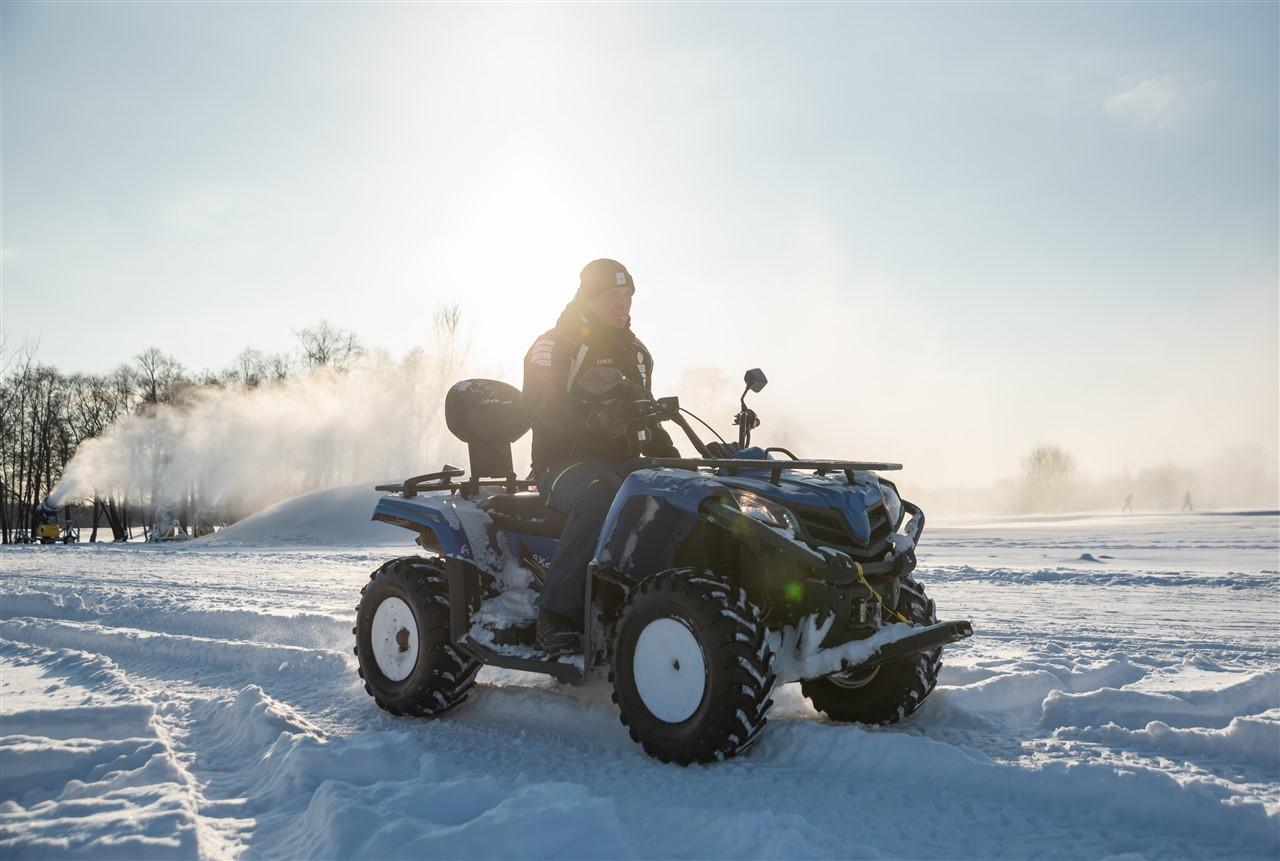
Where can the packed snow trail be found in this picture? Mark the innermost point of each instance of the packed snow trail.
(201, 701)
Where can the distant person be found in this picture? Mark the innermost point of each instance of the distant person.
(1186, 502)
(1128, 504)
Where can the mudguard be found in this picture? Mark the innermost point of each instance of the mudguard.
(652, 514)
(451, 523)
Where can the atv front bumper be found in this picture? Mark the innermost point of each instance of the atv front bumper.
(798, 655)
(845, 596)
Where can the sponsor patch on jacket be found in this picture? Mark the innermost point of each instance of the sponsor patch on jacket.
(540, 352)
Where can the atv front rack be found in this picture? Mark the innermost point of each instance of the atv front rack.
(775, 468)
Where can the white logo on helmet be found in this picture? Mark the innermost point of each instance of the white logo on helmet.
(621, 277)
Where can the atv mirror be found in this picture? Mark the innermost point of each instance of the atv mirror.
(599, 381)
(755, 379)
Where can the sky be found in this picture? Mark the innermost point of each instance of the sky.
(947, 232)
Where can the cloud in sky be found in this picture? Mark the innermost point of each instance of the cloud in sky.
(1159, 101)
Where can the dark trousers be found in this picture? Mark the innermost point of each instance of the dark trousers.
(582, 490)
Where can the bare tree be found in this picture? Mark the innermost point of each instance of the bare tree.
(124, 388)
(279, 367)
(15, 394)
(1046, 473)
(158, 375)
(325, 345)
(251, 367)
(448, 319)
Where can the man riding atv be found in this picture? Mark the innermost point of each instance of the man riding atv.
(701, 582)
(579, 451)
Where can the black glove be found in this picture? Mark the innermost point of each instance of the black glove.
(610, 417)
(661, 445)
(722, 450)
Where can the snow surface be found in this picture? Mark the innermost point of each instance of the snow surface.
(200, 701)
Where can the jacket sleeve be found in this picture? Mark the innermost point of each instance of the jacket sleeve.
(551, 411)
(660, 445)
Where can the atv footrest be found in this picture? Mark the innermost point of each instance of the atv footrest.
(567, 669)
(932, 638)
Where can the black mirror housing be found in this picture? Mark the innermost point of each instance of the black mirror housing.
(755, 379)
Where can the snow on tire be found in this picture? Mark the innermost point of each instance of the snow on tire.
(407, 661)
(691, 671)
(891, 691)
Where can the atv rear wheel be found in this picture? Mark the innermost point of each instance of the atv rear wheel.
(889, 692)
(407, 661)
(690, 667)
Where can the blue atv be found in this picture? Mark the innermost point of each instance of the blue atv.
(714, 578)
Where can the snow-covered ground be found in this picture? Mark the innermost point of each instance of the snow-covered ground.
(1120, 699)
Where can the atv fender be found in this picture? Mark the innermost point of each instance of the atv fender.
(652, 514)
(437, 522)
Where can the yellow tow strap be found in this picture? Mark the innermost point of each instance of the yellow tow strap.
(862, 578)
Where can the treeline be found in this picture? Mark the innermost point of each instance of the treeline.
(1051, 482)
(46, 415)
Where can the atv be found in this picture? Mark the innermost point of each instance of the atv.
(714, 578)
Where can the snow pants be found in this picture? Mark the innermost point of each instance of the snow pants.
(582, 490)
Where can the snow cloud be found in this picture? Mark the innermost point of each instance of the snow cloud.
(1157, 102)
(230, 452)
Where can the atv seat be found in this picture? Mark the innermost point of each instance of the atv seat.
(524, 513)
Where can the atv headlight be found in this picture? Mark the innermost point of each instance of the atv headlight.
(892, 503)
(765, 510)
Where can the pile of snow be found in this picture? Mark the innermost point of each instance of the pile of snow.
(338, 516)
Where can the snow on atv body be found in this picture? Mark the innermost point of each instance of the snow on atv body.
(713, 579)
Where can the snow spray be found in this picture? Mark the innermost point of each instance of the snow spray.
(236, 451)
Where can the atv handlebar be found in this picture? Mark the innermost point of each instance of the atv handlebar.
(647, 412)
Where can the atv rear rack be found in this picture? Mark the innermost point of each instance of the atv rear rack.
(443, 480)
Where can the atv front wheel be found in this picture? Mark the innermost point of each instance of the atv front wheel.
(690, 667)
(407, 661)
(889, 692)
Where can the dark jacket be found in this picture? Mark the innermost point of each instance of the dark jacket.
(559, 416)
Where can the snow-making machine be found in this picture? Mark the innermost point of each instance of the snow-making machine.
(714, 579)
(49, 529)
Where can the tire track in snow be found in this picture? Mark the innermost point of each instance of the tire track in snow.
(178, 655)
(101, 779)
(308, 630)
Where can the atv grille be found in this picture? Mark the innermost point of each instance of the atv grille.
(880, 526)
(827, 527)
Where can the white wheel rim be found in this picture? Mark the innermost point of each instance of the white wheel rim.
(670, 670)
(395, 639)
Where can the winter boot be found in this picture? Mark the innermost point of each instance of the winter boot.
(557, 634)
